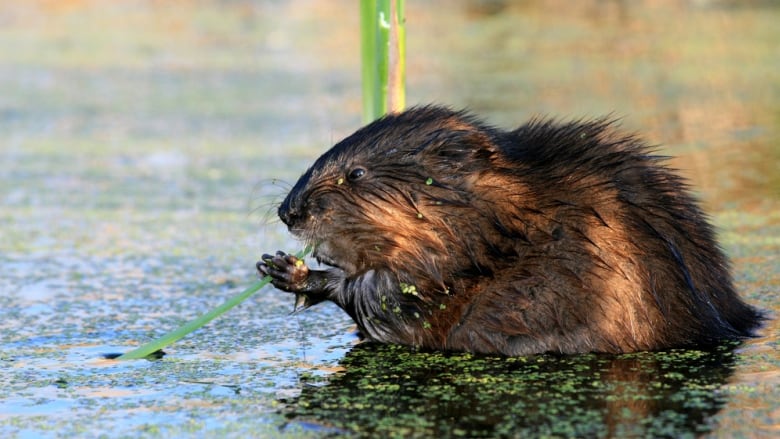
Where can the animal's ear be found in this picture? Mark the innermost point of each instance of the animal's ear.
(457, 147)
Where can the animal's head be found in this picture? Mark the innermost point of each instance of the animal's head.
(388, 193)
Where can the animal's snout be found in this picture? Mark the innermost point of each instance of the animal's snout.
(287, 214)
(290, 211)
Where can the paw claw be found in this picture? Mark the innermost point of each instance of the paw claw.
(287, 272)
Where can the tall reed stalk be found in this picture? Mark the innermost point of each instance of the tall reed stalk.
(383, 53)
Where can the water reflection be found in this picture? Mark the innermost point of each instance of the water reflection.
(388, 389)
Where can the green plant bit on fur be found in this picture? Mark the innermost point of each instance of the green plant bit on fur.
(408, 289)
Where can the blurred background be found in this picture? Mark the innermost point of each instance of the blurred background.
(181, 77)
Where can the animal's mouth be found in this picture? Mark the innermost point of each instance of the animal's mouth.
(296, 231)
(324, 258)
(324, 254)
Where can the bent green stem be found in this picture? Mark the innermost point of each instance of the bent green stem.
(171, 337)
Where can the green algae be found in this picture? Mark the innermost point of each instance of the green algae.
(392, 390)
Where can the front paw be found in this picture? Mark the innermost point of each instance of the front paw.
(287, 272)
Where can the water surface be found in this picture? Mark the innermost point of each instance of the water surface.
(139, 172)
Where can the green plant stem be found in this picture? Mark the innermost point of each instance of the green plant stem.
(383, 47)
(171, 337)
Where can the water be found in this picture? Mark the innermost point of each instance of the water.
(139, 170)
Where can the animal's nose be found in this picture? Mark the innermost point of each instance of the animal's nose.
(288, 213)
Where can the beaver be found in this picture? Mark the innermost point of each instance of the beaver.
(443, 232)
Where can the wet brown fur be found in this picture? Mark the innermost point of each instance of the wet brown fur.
(565, 237)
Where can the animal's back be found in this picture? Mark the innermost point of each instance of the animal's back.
(622, 252)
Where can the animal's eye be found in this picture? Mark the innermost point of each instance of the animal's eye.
(356, 174)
